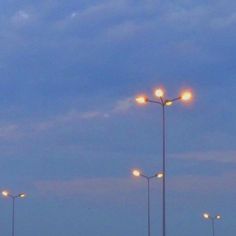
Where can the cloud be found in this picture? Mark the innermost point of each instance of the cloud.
(204, 184)
(114, 20)
(124, 30)
(123, 105)
(69, 117)
(193, 15)
(75, 116)
(87, 187)
(115, 188)
(200, 17)
(227, 156)
(93, 13)
(73, 14)
(93, 114)
(25, 128)
(224, 22)
(101, 10)
(9, 132)
(20, 17)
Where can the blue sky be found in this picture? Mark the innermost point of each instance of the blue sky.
(70, 132)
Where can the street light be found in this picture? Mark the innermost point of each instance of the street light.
(161, 100)
(212, 219)
(138, 173)
(13, 197)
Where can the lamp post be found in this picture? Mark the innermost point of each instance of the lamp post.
(212, 219)
(13, 197)
(138, 173)
(164, 102)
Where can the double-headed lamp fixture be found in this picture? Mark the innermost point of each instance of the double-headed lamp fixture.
(138, 173)
(209, 217)
(5, 193)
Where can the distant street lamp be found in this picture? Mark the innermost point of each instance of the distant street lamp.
(164, 102)
(13, 197)
(212, 219)
(138, 173)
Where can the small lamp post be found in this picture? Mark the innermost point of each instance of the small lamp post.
(138, 173)
(212, 219)
(13, 197)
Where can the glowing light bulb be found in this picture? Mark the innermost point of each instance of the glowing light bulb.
(160, 175)
(159, 93)
(168, 103)
(136, 173)
(5, 193)
(186, 96)
(22, 195)
(206, 215)
(141, 99)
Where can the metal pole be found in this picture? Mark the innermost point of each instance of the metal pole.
(164, 171)
(213, 226)
(13, 216)
(149, 225)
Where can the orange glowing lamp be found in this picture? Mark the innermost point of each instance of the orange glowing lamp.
(186, 96)
(159, 93)
(141, 99)
(136, 173)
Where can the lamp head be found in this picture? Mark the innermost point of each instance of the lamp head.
(5, 193)
(218, 217)
(159, 93)
(168, 102)
(159, 175)
(206, 215)
(136, 173)
(22, 195)
(186, 96)
(141, 99)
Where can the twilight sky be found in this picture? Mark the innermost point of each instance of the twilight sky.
(70, 132)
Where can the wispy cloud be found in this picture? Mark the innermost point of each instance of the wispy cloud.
(20, 17)
(203, 184)
(202, 16)
(224, 21)
(22, 129)
(104, 9)
(74, 116)
(108, 187)
(67, 118)
(194, 15)
(225, 156)
(123, 105)
(124, 30)
(9, 131)
(88, 187)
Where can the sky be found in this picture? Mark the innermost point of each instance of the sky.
(70, 131)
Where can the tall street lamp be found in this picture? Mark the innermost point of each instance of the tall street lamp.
(13, 197)
(212, 219)
(138, 173)
(164, 102)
